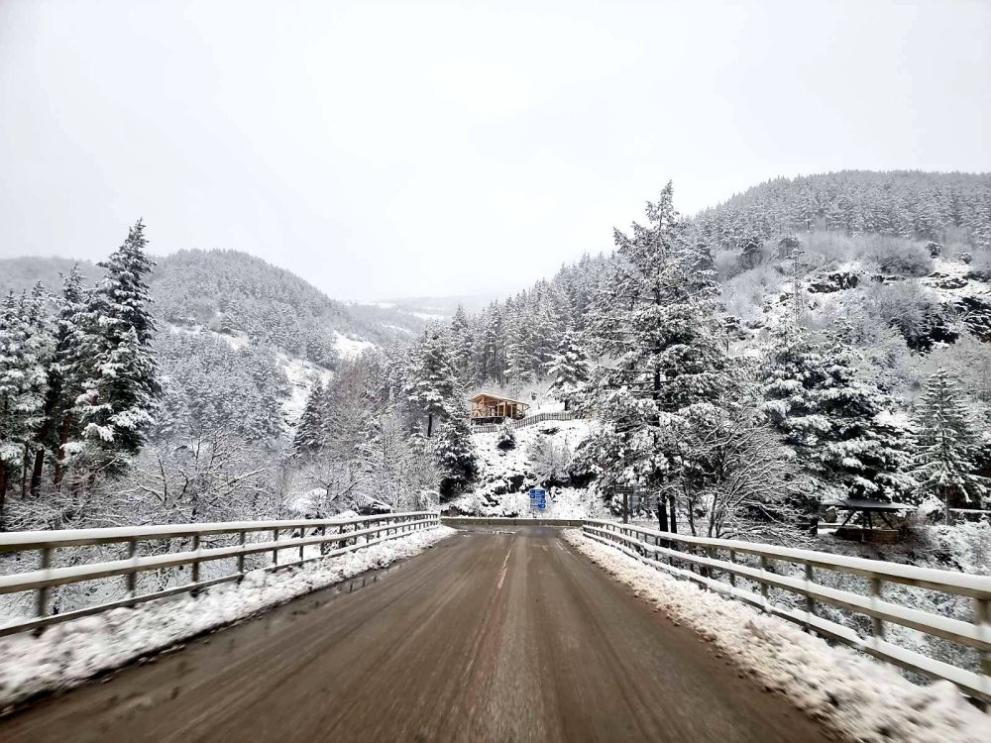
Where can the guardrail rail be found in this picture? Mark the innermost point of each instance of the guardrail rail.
(529, 420)
(332, 537)
(698, 559)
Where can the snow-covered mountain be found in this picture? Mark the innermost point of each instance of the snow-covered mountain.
(232, 311)
(243, 297)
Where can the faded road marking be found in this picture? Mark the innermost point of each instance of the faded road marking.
(502, 571)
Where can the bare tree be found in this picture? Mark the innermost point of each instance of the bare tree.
(736, 477)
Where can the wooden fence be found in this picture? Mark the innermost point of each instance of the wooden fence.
(698, 559)
(330, 537)
(528, 421)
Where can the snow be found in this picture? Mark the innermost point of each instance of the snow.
(955, 270)
(236, 341)
(858, 697)
(302, 375)
(67, 654)
(304, 502)
(350, 348)
(428, 316)
(494, 493)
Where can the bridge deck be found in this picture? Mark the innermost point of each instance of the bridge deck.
(493, 635)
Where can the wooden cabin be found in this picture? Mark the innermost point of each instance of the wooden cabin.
(486, 408)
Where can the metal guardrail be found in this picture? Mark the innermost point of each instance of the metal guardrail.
(651, 547)
(342, 535)
(509, 521)
(528, 421)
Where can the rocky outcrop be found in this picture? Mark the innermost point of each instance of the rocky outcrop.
(976, 315)
(834, 282)
(951, 282)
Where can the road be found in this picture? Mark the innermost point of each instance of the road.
(492, 635)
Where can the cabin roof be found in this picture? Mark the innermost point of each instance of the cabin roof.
(489, 396)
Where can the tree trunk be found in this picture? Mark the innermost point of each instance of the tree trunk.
(39, 469)
(674, 517)
(662, 513)
(567, 405)
(25, 466)
(3, 493)
(430, 424)
(63, 439)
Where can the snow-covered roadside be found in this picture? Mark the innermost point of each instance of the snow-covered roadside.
(67, 654)
(859, 698)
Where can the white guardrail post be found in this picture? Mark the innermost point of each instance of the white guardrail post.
(344, 535)
(698, 559)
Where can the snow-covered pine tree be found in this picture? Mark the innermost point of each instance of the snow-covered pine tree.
(751, 252)
(431, 384)
(946, 445)
(490, 350)
(64, 380)
(22, 387)
(454, 453)
(120, 388)
(461, 344)
(39, 345)
(659, 323)
(309, 437)
(518, 341)
(569, 369)
(838, 422)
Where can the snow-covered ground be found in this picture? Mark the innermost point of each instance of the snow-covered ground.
(505, 477)
(67, 654)
(302, 375)
(350, 348)
(860, 698)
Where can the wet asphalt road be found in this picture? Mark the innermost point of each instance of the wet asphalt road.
(492, 635)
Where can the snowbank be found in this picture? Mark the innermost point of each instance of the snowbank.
(858, 697)
(67, 654)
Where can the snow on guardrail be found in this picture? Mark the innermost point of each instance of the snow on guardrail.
(198, 545)
(697, 559)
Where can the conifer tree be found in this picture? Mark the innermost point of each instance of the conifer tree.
(489, 349)
(120, 388)
(946, 446)
(454, 452)
(309, 437)
(838, 422)
(518, 344)
(64, 380)
(431, 385)
(569, 369)
(461, 344)
(659, 323)
(22, 387)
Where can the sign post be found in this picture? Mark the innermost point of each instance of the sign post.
(538, 499)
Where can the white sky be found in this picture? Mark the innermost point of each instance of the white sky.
(418, 148)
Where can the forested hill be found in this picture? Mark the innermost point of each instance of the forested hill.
(238, 295)
(20, 274)
(911, 204)
(904, 253)
(232, 292)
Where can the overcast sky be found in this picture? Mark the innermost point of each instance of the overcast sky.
(405, 149)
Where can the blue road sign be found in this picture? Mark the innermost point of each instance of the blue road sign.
(538, 498)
